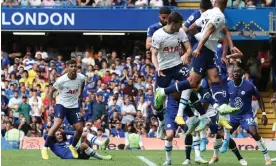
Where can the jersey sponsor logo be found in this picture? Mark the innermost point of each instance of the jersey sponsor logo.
(171, 49)
(169, 125)
(243, 92)
(74, 91)
(191, 18)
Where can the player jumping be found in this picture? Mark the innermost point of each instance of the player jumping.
(60, 146)
(69, 87)
(212, 22)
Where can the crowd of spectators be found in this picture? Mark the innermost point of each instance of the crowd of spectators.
(127, 3)
(89, 3)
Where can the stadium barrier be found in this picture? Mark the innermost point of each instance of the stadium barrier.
(157, 144)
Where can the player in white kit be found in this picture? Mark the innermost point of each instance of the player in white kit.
(69, 87)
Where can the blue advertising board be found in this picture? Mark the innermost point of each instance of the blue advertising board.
(100, 19)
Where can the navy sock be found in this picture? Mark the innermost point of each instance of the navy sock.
(233, 147)
(188, 144)
(183, 85)
(75, 141)
(49, 141)
(218, 93)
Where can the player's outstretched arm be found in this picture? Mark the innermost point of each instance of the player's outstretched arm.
(51, 97)
(228, 36)
(148, 43)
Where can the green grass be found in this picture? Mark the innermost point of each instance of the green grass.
(123, 158)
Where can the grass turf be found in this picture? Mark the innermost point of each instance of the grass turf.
(124, 158)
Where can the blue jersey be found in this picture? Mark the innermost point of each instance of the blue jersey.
(153, 28)
(62, 149)
(241, 96)
(193, 17)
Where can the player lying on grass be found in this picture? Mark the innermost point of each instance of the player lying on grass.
(60, 146)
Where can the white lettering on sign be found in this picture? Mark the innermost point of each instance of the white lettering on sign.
(38, 18)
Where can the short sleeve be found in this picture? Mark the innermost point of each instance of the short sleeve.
(58, 83)
(156, 41)
(217, 21)
(82, 77)
(199, 22)
(190, 21)
(184, 37)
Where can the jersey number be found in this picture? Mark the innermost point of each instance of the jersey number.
(204, 23)
(250, 121)
(78, 115)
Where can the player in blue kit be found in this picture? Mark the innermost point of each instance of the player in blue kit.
(60, 146)
(240, 93)
(164, 13)
(69, 87)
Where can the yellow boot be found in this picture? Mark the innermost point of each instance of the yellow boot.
(224, 123)
(179, 120)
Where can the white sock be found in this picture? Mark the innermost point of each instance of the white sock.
(263, 148)
(93, 139)
(90, 152)
(217, 145)
(185, 96)
(196, 143)
(216, 105)
(203, 133)
(227, 134)
(168, 149)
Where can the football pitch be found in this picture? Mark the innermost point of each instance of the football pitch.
(126, 158)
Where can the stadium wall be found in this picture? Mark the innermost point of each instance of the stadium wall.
(101, 19)
(157, 144)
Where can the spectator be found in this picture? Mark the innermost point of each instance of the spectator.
(139, 121)
(11, 3)
(98, 109)
(250, 4)
(47, 3)
(34, 97)
(4, 103)
(156, 3)
(34, 132)
(265, 67)
(24, 126)
(5, 61)
(100, 134)
(104, 3)
(153, 131)
(119, 3)
(239, 3)
(114, 111)
(118, 131)
(100, 59)
(254, 65)
(128, 112)
(88, 60)
(169, 3)
(14, 103)
(89, 128)
(141, 3)
(47, 128)
(103, 91)
(143, 132)
(130, 90)
(13, 137)
(25, 109)
(36, 108)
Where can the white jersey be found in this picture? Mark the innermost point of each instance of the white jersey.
(217, 19)
(168, 46)
(69, 90)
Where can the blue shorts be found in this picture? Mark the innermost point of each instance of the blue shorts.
(72, 114)
(171, 112)
(245, 120)
(205, 93)
(178, 73)
(205, 60)
(214, 127)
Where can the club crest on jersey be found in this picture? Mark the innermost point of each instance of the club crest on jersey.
(243, 92)
(171, 49)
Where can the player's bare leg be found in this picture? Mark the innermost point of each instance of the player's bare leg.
(50, 138)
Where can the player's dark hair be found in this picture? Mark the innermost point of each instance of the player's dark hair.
(70, 62)
(175, 17)
(222, 3)
(164, 10)
(206, 4)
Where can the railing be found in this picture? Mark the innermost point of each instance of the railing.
(272, 23)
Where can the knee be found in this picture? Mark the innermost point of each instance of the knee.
(83, 146)
(193, 83)
(254, 134)
(170, 135)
